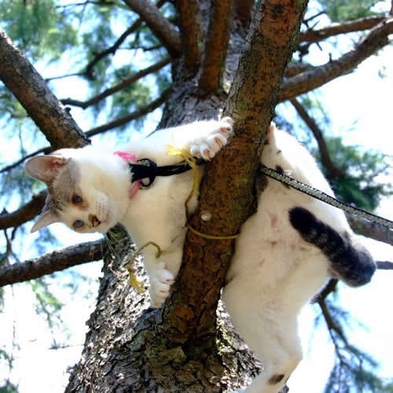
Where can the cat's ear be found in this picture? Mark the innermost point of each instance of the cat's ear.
(45, 168)
(46, 218)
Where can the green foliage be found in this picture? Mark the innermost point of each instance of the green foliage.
(342, 10)
(37, 27)
(49, 306)
(363, 184)
(7, 386)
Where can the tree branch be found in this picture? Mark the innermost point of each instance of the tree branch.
(23, 159)
(313, 126)
(191, 34)
(213, 66)
(296, 68)
(112, 49)
(160, 26)
(370, 229)
(52, 262)
(132, 116)
(114, 89)
(385, 265)
(376, 39)
(26, 213)
(30, 89)
(335, 29)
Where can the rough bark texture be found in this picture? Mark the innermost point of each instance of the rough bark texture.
(126, 348)
(40, 103)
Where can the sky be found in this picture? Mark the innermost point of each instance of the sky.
(359, 106)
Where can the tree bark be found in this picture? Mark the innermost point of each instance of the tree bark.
(51, 117)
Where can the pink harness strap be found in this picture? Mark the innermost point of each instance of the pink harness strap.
(131, 158)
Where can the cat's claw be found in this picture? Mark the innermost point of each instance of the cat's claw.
(161, 280)
(214, 140)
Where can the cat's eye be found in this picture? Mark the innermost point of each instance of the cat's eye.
(78, 224)
(76, 199)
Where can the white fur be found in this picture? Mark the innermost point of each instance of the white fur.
(273, 272)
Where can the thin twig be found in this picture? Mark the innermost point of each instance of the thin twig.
(164, 30)
(114, 89)
(25, 213)
(23, 159)
(327, 162)
(132, 116)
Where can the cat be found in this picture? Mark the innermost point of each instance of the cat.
(284, 255)
(90, 190)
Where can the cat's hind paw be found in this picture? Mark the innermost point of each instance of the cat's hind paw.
(161, 280)
(213, 139)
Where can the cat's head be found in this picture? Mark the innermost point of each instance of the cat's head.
(84, 191)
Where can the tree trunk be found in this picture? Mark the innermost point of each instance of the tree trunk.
(183, 348)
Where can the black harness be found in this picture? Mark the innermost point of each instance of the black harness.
(148, 169)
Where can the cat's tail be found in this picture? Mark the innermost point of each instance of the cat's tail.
(349, 261)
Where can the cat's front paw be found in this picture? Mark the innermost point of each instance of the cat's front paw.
(213, 140)
(161, 280)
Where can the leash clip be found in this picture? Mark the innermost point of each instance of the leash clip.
(145, 171)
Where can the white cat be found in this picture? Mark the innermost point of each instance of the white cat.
(285, 252)
(90, 190)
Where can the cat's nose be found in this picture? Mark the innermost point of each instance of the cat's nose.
(94, 221)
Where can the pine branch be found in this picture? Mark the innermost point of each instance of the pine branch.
(159, 25)
(313, 126)
(296, 68)
(370, 229)
(132, 116)
(114, 89)
(30, 89)
(52, 262)
(112, 49)
(313, 36)
(221, 16)
(191, 33)
(23, 159)
(25, 213)
(384, 265)
(376, 39)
